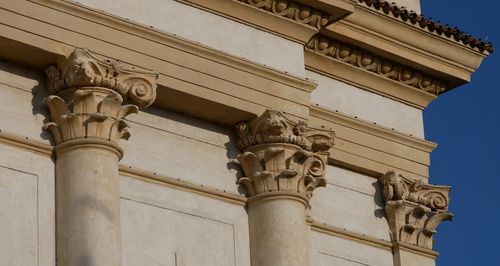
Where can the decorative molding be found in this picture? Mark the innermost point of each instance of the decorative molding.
(347, 234)
(293, 10)
(365, 60)
(412, 18)
(282, 155)
(87, 93)
(91, 113)
(372, 149)
(189, 71)
(414, 209)
(183, 185)
(84, 69)
(25, 143)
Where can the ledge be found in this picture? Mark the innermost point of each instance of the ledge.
(194, 79)
(408, 45)
(296, 20)
(372, 149)
(358, 76)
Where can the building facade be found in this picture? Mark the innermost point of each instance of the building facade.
(222, 132)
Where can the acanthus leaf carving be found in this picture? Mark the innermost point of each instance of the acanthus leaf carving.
(414, 209)
(88, 116)
(282, 155)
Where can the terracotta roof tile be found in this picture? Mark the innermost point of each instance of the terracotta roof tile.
(427, 23)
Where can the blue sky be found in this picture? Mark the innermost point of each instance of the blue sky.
(465, 122)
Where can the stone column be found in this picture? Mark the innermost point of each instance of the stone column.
(283, 163)
(414, 209)
(87, 114)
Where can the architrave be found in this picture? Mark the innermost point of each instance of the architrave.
(372, 149)
(283, 26)
(189, 73)
(408, 44)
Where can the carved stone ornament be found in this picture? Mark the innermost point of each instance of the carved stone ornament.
(87, 95)
(414, 209)
(292, 10)
(84, 69)
(90, 114)
(368, 61)
(282, 155)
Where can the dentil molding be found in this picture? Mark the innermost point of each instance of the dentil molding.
(414, 209)
(280, 155)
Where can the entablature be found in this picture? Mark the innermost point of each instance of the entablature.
(193, 79)
(297, 20)
(373, 149)
(407, 43)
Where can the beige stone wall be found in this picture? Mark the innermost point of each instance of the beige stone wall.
(21, 102)
(183, 148)
(27, 215)
(351, 201)
(368, 106)
(209, 29)
(331, 250)
(166, 226)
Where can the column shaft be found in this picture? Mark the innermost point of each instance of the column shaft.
(88, 206)
(279, 234)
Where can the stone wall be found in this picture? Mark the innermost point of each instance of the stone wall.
(27, 215)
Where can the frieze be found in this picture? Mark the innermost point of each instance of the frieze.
(362, 59)
(292, 10)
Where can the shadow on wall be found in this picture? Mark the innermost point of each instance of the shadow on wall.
(379, 200)
(39, 92)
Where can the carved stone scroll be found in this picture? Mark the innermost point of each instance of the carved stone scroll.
(414, 209)
(84, 69)
(282, 155)
(87, 95)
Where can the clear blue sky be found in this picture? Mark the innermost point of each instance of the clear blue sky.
(465, 122)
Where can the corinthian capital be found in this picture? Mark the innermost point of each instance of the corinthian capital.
(414, 209)
(282, 155)
(86, 99)
(84, 69)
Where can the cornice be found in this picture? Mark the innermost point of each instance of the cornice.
(293, 10)
(296, 20)
(417, 20)
(407, 44)
(218, 87)
(383, 67)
